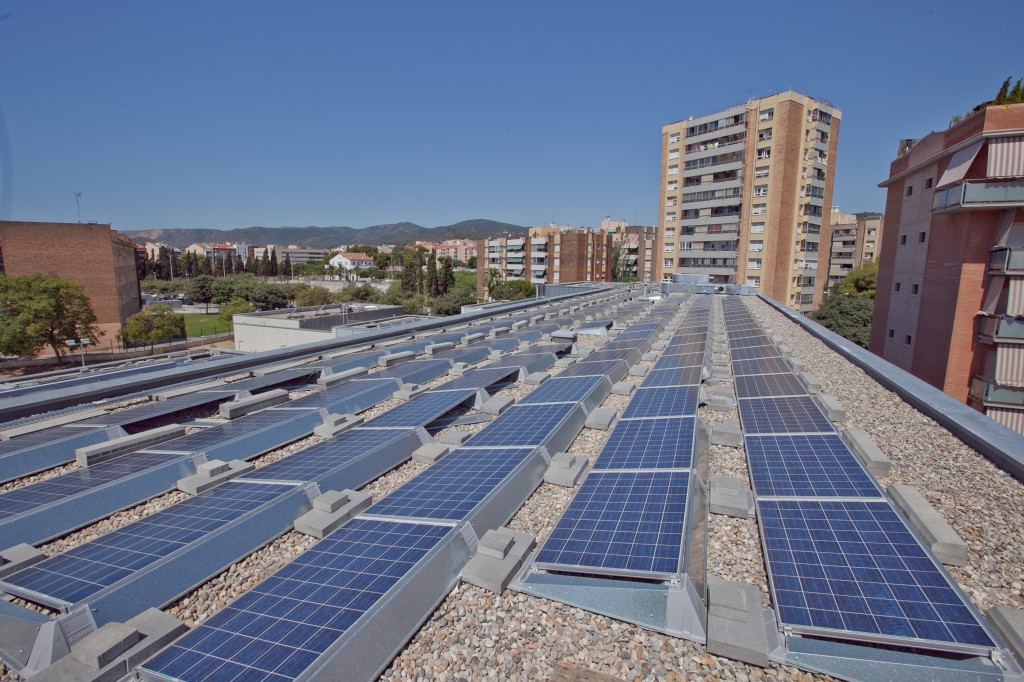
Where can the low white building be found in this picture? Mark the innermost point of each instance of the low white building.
(348, 262)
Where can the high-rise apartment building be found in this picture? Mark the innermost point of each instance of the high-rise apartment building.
(856, 240)
(743, 192)
(636, 245)
(950, 301)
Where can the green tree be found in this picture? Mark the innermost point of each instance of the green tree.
(452, 302)
(471, 263)
(200, 290)
(43, 310)
(447, 277)
(492, 280)
(514, 291)
(223, 289)
(1016, 95)
(286, 269)
(264, 270)
(846, 315)
(860, 282)
(273, 263)
(433, 286)
(1003, 96)
(236, 306)
(155, 324)
(313, 296)
(268, 297)
(618, 262)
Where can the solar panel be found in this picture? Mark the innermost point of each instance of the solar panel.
(680, 376)
(29, 497)
(280, 627)
(806, 466)
(613, 354)
(421, 410)
(315, 461)
(747, 341)
(687, 360)
(479, 378)
(581, 369)
(649, 444)
(854, 567)
(560, 390)
(684, 348)
(454, 486)
(37, 438)
(520, 359)
(522, 425)
(760, 366)
(761, 385)
(79, 573)
(754, 353)
(669, 401)
(622, 523)
(782, 415)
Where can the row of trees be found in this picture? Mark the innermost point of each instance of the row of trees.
(37, 311)
(849, 305)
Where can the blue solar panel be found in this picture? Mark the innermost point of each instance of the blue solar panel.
(453, 487)
(685, 348)
(856, 567)
(748, 341)
(622, 522)
(29, 497)
(279, 628)
(581, 369)
(806, 466)
(315, 461)
(560, 390)
(680, 376)
(421, 410)
(674, 361)
(669, 401)
(649, 444)
(762, 385)
(31, 440)
(782, 415)
(754, 353)
(522, 425)
(760, 366)
(613, 354)
(480, 378)
(81, 572)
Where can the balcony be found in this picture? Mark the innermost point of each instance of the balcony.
(989, 392)
(537, 253)
(1006, 261)
(979, 194)
(1002, 329)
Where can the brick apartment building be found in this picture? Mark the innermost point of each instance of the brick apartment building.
(102, 260)
(856, 240)
(950, 301)
(742, 196)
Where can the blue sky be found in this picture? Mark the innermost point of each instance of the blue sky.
(231, 114)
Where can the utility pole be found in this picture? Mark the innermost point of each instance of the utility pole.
(78, 205)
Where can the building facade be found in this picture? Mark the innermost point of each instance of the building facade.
(96, 256)
(743, 192)
(457, 249)
(634, 246)
(856, 240)
(950, 301)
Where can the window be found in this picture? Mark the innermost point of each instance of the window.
(670, 217)
(896, 287)
(764, 134)
(921, 237)
(766, 115)
(760, 209)
(754, 264)
(673, 170)
(903, 240)
(756, 245)
(915, 288)
(929, 183)
(907, 338)
(765, 153)
(669, 262)
(673, 186)
(910, 190)
(674, 138)
(892, 333)
(761, 172)
(673, 154)
(754, 282)
(670, 248)
(760, 190)
(757, 228)
(869, 245)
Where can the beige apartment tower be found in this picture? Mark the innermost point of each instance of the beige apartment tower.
(743, 196)
(856, 241)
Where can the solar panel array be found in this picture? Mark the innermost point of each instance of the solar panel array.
(841, 561)
(629, 516)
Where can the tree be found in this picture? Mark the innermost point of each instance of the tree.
(223, 289)
(267, 297)
(514, 291)
(264, 266)
(848, 307)
(313, 296)
(1003, 95)
(618, 262)
(236, 306)
(447, 278)
(287, 267)
(433, 287)
(860, 282)
(155, 324)
(200, 290)
(1017, 94)
(43, 310)
(273, 263)
(452, 302)
(471, 263)
(492, 280)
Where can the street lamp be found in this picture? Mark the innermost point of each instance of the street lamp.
(81, 344)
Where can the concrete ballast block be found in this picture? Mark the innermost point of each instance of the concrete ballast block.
(334, 424)
(330, 378)
(940, 537)
(831, 407)
(431, 453)
(200, 481)
(730, 497)
(601, 418)
(244, 406)
(623, 388)
(566, 470)
(17, 557)
(873, 459)
(100, 452)
(498, 404)
(1009, 623)
(392, 359)
(491, 572)
(727, 433)
(330, 511)
(809, 381)
(409, 391)
(738, 626)
(536, 378)
(638, 371)
(455, 438)
(721, 403)
(438, 347)
(100, 648)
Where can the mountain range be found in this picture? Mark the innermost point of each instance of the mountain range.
(328, 237)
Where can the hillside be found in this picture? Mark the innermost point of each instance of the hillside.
(326, 237)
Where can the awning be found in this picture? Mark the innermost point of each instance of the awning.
(995, 290)
(1013, 419)
(1010, 365)
(958, 165)
(1005, 221)
(1006, 157)
(1015, 300)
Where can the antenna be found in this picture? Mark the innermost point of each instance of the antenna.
(78, 205)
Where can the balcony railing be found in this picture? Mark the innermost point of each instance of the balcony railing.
(980, 194)
(1007, 260)
(1004, 328)
(989, 392)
